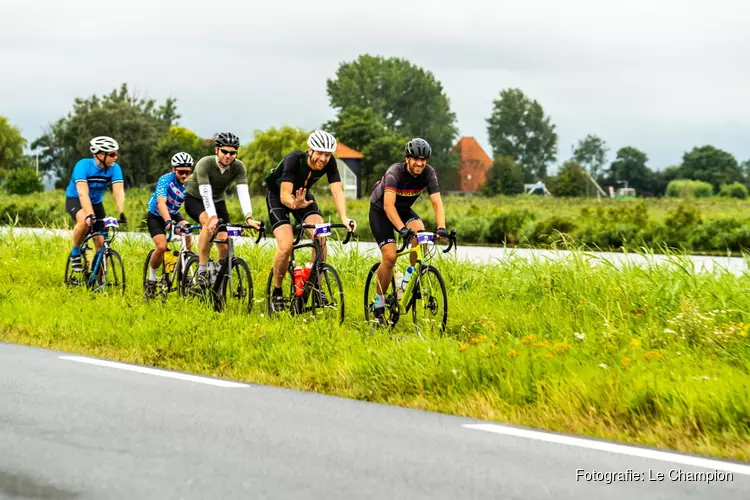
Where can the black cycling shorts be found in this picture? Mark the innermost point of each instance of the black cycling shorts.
(156, 224)
(381, 226)
(194, 208)
(73, 205)
(278, 213)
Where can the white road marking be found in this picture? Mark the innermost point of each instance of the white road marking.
(632, 451)
(154, 371)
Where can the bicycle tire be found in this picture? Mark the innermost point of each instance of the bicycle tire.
(391, 310)
(414, 300)
(269, 290)
(327, 269)
(69, 280)
(115, 263)
(239, 264)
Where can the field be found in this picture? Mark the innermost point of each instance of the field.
(705, 225)
(655, 356)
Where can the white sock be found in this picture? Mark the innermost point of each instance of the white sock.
(379, 301)
(151, 273)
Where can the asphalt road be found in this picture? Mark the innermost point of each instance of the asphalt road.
(70, 429)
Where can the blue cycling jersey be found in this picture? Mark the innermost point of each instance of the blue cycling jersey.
(98, 179)
(169, 187)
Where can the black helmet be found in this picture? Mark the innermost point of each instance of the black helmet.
(227, 139)
(418, 148)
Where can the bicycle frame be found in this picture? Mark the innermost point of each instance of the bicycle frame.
(315, 244)
(186, 232)
(99, 257)
(407, 299)
(232, 230)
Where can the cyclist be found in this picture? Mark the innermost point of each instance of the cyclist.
(287, 191)
(85, 193)
(204, 200)
(390, 208)
(164, 212)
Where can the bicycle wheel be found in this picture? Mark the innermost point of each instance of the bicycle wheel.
(328, 296)
(190, 286)
(426, 302)
(288, 302)
(113, 273)
(391, 314)
(73, 278)
(238, 289)
(177, 280)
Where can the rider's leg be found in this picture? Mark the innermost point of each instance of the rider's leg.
(284, 244)
(317, 219)
(415, 225)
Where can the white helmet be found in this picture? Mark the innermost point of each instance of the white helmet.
(182, 159)
(103, 144)
(320, 140)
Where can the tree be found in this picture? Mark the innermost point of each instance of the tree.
(711, 165)
(137, 124)
(745, 169)
(267, 149)
(504, 177)
(23, 180)
(518, 128)
(405, 99)
(571, 180)
(630, 166)
(12, 144)
(177, 139)
(591, 153)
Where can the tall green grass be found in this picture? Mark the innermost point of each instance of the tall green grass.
(656, 356)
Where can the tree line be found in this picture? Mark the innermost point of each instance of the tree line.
(380, 103)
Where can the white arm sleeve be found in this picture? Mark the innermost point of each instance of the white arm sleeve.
(243, 193)
(208, 199)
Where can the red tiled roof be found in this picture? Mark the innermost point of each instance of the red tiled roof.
(474, 163)
(343, 151)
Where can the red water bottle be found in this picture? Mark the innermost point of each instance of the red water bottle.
(306, 271)
(299, 281)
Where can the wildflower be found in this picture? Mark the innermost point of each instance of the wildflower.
(527, 339)
(652, 355)
(624, 362)
(580, 336)
(478, 340)
(635, 342)
(549, 355)
(463, 347)
(669, 330)
(603, 365)
(561, 346)
(513, 353)
(540, 344)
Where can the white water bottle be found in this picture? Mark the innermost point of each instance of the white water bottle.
(405, 280)
(399, 290)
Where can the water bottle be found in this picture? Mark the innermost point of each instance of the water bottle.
(170, 259)
(407, 277)
(306, 271)
(399, 290)
(299, 282)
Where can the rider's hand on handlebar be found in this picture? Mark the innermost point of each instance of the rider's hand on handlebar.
(252, 222)
(212, 223)
(90, 219)
(168, 225)
(404, 232)
(351, 224)
(122, 219)
(442, 232)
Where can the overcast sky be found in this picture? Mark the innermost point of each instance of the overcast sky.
(660, 75)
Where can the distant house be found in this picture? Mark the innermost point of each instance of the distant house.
(350, 168)
(474, 164)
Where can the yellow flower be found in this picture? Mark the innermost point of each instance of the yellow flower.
(478, 340)
(463, 347)
(527, 339)
(549, 355)
(652, 355)
(624, 362)
(540, 344)
(635, 342)
(513, 353)
(561, 346)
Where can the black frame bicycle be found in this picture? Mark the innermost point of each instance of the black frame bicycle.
(223, 278)
(96, 275)
(312, 289)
